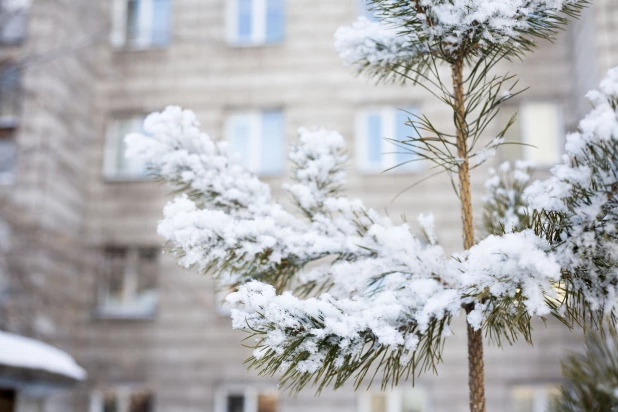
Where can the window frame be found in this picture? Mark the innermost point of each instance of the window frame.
(255, 120)
(250, 393)
(145, 40)
(259, 25)
(130, 286)
(15, 95)
(114, 141)
(529, 152)
(388, 155)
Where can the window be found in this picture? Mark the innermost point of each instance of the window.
(122, 400)
(7, 157)
(10, 96)
(247, 400)
(375, 152)
(258, 139)
(256, 22)
(399, 400)
(538, 124)
(10, 102)
(116, 165)
(13, 19)
(533, 398)
(141, 24)
(128, 278)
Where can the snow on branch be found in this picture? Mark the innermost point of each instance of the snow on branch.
(374, 294)
(409, 32)
(506, 210)
(579, 205)
(376, 46)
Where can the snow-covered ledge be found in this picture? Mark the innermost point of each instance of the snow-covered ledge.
(21, 352)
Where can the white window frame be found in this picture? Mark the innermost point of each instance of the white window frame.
(258, 24)
(388, 116)
(394, 400)
(250, 394)
(113, 143)
(530, 153)
(540, 395)
(255, 121)
(130, 295)
(145, 21)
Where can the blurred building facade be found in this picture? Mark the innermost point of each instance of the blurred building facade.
(83, 269)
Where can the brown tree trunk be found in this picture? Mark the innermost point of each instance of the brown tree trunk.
(476, 367)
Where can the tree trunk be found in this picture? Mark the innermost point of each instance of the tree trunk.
(476, 367)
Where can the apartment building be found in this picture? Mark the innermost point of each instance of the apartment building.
(84, 269)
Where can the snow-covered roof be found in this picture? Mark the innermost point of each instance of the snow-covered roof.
(22, 352)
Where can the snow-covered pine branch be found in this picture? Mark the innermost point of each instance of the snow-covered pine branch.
(408, 32)
(505, 208)
(386, 292)
(374, 263)
(579, 208)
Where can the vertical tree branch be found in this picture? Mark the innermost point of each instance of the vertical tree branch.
(476, 366)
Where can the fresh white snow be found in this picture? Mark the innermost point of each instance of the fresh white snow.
(406, 29)
(22, 352)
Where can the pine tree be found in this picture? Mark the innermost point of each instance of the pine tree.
(376, 301)
(591, 377)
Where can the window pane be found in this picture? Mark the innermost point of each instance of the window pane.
(413, 400)
(235, 403)
(374, 140)
(240, 139)
(267, 402)
(275, 20)
(117, 164)
(541, 128)
(10, 82)
(141, 402)
(110, 404)
(161, 22)
(510, 152)
(129, 281)
(7, 159)
(244, 30)
(133, 34)
(148, 270)
(272, 143)
(403, 153)
(13, 28)
(378, 403)
(113, 274)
